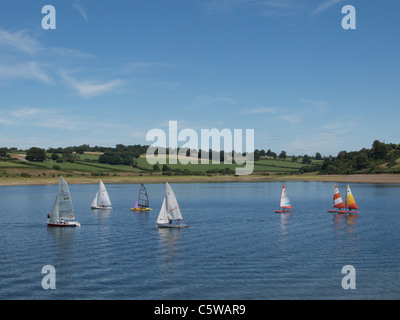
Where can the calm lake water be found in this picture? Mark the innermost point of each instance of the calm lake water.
(236, 247)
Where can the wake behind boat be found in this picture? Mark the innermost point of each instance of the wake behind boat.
(62, 214)
(284, 204)
(170, 211)
(101, 199)
(142, 201)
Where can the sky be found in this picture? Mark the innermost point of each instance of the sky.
(111, 71)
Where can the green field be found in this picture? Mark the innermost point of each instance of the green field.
(87, 164)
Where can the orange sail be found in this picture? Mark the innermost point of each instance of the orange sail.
(350, 202)
(337, 199)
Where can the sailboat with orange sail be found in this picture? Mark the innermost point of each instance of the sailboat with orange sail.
(338, 203)
(340, 206)
(350, 202)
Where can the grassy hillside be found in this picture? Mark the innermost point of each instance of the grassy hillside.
(87, 166)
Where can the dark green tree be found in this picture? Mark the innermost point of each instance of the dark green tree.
(36, 154)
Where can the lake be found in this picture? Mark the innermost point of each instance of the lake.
(236, 247)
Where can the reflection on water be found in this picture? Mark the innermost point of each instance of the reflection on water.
(169, 243)
(284, 219)
(228, 253)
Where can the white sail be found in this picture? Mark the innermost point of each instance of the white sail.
(103, 200)
(94, 202)
(55, 215)
(285, 202)
(63, 205)
(163, 215)
(172, 204)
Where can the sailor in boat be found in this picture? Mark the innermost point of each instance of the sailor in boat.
(62, 221)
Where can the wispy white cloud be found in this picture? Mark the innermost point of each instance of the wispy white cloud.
(79, 7)
(89, 89)
(52, 118)
(319, 104)
(29, 70)
(268, 8)
(291, 118)
(325, 6)
(19, 40)
(258, 110)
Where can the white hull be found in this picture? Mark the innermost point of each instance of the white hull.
(64, 225)
(95, 207)
(171, 225)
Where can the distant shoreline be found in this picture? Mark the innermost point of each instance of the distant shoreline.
(152, 179)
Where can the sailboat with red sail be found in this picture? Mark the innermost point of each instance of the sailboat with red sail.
(284, 204)
(338, 203)
(340, 206)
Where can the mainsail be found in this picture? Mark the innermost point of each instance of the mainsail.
(350, 202)
(285, 202)
(172, 204)
(62, 208)
(143, 199)
(337, 199)
(101, 199)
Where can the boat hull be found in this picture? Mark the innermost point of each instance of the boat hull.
(64, 225)
(283, 211)
(171, 225)
(138, 209)
(343, 211)
(103, 208)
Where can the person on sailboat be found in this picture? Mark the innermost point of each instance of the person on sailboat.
(48, 215)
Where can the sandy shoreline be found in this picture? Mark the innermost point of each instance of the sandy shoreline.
(358, 178)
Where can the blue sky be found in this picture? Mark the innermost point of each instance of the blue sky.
(113, 70)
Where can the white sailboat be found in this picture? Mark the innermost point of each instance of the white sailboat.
(170, 211)
(284, 204)
(101, 199)
(63, 211)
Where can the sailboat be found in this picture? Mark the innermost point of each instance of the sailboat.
(170, 211)
(284, 204)
(142, 201)
(63, 211)
(350, 202)
(101, 199)
(338, 203)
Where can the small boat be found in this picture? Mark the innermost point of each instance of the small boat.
(101, 199)
(338, 203)
(63, 211)
(142, 201)
(284, 204)
(170, 211)
(350, 202)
